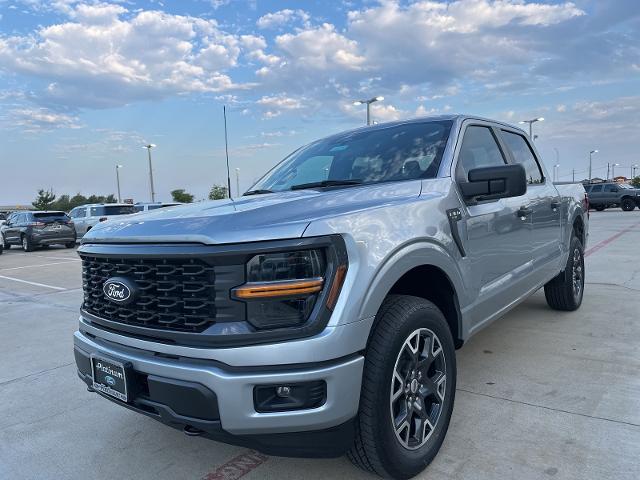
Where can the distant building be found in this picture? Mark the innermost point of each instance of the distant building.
(621, 179)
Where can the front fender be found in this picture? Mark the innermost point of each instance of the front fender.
(408, 256)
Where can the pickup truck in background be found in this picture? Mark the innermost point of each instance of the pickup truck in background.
(605, 195)
(319, 313)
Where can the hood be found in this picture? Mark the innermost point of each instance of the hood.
(273, 216)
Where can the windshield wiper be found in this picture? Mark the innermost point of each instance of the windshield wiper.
(327, 183)
(258, 191)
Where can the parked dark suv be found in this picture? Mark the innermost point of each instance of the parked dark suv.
(606, 195)
(34, 229)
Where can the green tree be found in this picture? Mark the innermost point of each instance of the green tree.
(62, 203)
(44, 200)
(218, 192)
(179, 195)
(636, 182)
(77, 200)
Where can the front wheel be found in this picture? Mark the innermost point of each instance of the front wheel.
(70, 244)
(6, 245)
(627, 205)
(408, 389)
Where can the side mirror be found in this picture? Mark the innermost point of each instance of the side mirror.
(491, 183)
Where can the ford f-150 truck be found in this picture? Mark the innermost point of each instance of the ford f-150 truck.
(319, 313)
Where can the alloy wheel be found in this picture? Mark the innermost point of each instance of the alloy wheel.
(418, 388)
(577, 273)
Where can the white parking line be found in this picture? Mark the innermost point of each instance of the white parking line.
(32, 283)
(71, 259)
(33, 266)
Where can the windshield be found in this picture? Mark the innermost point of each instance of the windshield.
(401, 152)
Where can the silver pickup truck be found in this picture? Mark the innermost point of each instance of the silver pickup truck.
(319, 313)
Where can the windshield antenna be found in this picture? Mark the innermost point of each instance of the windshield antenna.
(226, 150)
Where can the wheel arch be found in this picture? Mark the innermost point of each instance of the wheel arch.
(424, 271)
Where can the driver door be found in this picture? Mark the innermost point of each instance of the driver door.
(497, 234)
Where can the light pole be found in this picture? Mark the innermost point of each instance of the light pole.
(590, 162)
(555, 172)
(118, 167)
(238, 181)
(153, 192)
(531, 122)
(613, 170)
(633, 171)
(368, 104)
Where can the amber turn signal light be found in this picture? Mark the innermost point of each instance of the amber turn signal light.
(287, 288)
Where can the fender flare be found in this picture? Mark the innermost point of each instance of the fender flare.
(421, 252)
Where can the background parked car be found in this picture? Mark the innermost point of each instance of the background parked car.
(34, 229)
(87, 216)
(606, 195)
(145, 207)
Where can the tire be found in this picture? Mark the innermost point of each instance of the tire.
(627, 204)
(27, 245)
(379, 447)
(565, 291)
(599, 208)
(70, 245)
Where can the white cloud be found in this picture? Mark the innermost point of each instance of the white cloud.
(40, 119)
(282, 18)
(321, 48)
(101, 58)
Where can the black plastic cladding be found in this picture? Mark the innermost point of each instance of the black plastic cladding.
(232, 329)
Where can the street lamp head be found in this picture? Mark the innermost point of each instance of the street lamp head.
(540, 119)
(557, 165)
(616, 164)
(150, 145)
(379, 99)
(522, 122)
(119, 166)
(357, 102)
(593, 151)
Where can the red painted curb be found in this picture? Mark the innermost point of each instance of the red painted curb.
(607, 241)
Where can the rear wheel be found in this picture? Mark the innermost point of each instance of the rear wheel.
(408, 389)
(599, 208)
(627, 204)
(6, 245)
(27, 244)
(70, 244)
(565, 291)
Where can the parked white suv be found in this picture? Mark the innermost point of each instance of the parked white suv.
(87, 216)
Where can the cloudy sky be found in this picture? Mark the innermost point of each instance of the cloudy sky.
(83, 84)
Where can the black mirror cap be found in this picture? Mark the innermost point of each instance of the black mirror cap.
(492, 183)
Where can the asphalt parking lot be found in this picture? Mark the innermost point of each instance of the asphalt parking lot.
(541, 394)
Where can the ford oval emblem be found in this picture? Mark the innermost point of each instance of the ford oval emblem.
(119, 290)
(110, 380)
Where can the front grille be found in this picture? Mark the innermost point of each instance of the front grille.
(174, 294)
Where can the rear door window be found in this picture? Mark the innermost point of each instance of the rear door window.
(596, 189)
(523, 154)
(118, 209)
(610, 188)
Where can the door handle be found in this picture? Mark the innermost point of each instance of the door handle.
(524, 212)
(555, 205)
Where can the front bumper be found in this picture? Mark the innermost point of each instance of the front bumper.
(231, 391)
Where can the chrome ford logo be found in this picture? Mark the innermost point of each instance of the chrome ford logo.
(110, 380)
(119, 290)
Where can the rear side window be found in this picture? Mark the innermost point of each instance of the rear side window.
(523, 154)
(78, 212)
(479, 149)
(139, 208)
(610, 188)
(118, 210)
(596, 189)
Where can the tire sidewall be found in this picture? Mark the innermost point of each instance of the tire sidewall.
(407, 463)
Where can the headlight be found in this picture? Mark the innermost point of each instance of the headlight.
(282, 288)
